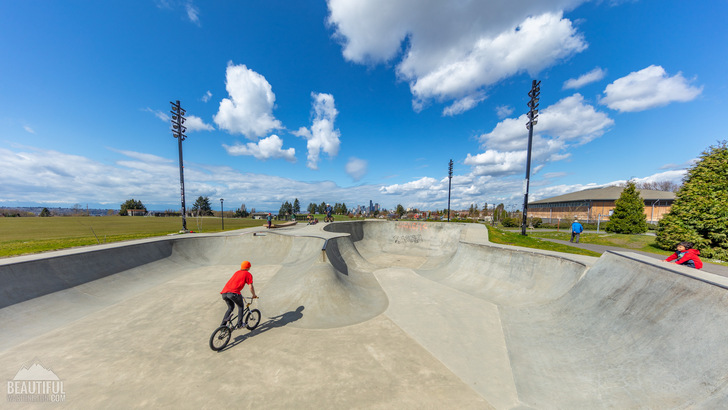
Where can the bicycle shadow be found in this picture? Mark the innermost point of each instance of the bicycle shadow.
(272, 323)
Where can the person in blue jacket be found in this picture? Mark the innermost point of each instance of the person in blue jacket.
(576, 230)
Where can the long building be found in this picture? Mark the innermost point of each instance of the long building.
(591, 205)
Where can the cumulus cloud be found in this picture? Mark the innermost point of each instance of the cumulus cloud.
(356, 168)
(271, 147)
(648, 88)
(463, 104)
(194, 123)
(592, 76)
(322, 136)
(419, 185)
(249, 110)
(569, 122)
(455, 49)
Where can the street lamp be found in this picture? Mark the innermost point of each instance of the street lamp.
(532, 120)
(178, 131)
(449, 185)
(222, 215)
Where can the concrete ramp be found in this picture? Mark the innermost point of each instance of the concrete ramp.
(630, 334)
(367, 314)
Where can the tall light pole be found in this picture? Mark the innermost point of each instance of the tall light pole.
(449, 185)
(222, 215)
(178, 131)
(532, 120)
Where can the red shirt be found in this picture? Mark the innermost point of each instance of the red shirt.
(237, 282)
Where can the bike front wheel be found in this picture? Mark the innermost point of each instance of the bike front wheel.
(252, 319)
(220, 338)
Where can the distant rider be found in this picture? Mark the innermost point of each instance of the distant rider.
(329, 210)
(231, 292)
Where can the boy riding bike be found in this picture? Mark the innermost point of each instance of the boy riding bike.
(231, 292)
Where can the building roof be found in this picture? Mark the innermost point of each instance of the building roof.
(610, 193)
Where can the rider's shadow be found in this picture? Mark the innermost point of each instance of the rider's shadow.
(271, 323)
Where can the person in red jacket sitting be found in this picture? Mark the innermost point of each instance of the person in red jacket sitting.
(231, 292)
(686, 255)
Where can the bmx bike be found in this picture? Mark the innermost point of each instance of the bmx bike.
(328, 218)
(221, 336)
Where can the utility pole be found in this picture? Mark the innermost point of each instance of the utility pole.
(535, 93)
(178, 131)
(449, 185)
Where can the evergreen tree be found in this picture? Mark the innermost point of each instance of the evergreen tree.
(45, 212)
(311, 208)
(131, 204)
(629, 212)
(242, 212)
(296, 207)
(699, 213)
(202, 206)
(286, 209)
(400, 210)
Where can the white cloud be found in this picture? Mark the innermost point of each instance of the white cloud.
(159, 114)
(249, 110)
(675, 176)
(194, 123)
(356, 168)
(648, 88)
(537, 43)
(193, 13)
(28, 129)
(463, 104)
(419, 185)
(207, 96)
(270, 147)
(43, 176)
(592, 76)
(455, 49)
(503, 111)
(567, 123)
(322, 136)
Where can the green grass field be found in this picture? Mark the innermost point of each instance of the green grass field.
(20, 236)
(516, 239)
(644, 243)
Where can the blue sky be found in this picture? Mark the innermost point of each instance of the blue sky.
(350, 101)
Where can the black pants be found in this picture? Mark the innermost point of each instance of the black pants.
(575, 235)
(233, 299)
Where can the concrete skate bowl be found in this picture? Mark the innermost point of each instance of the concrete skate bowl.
(623, 333)
(296, 267)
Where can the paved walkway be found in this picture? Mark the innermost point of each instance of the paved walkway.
(707, 266)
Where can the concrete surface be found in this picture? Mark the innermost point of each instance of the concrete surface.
(366, 315)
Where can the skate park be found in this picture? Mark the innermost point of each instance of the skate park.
(367, 314)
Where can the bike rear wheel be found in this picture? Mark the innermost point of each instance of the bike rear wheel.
(220, 338)
(252, 319)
